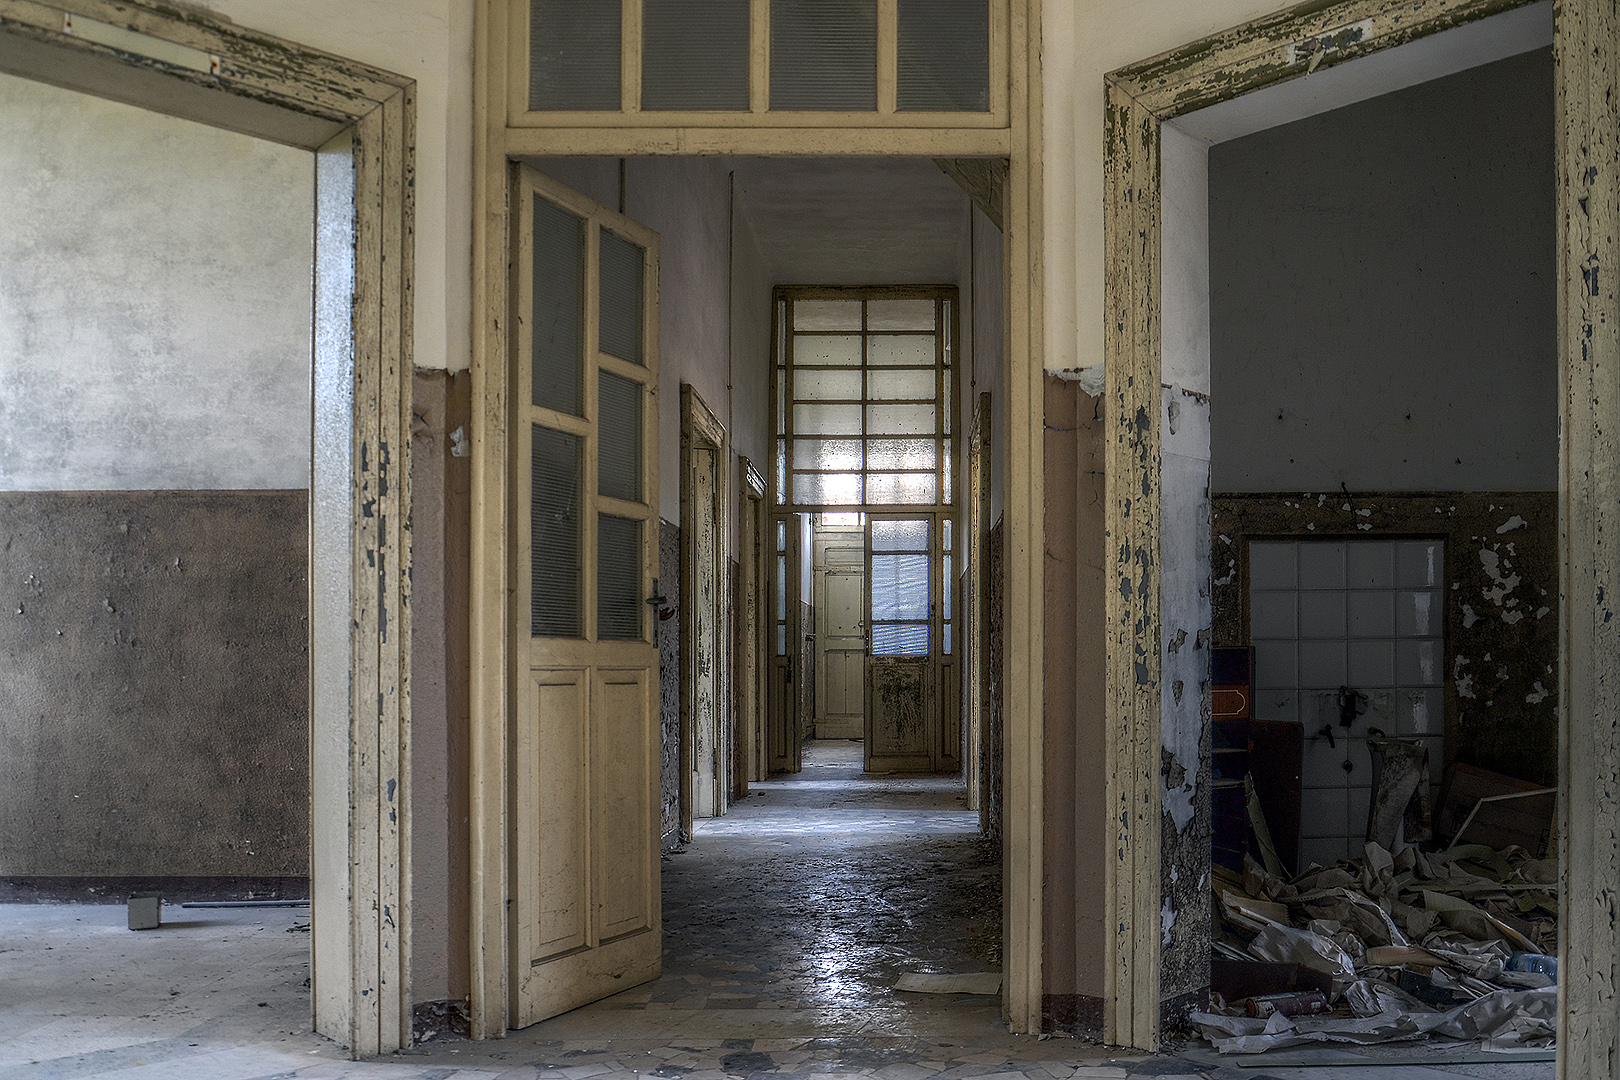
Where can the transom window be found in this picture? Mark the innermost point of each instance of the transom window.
(761, 55)
(864, 397)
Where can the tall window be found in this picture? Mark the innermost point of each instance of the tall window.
(864, 397)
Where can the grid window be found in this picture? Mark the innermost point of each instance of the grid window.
(863, 399)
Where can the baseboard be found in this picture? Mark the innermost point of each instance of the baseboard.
(115, 890)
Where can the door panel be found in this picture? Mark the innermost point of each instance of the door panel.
(840, 607)
(559, 724)
(903, 716)
(902, 705)
(585, 901)
(620, 795)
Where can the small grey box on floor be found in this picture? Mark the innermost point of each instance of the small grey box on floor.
(145, 912)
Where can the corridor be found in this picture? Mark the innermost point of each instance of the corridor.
(786, 926)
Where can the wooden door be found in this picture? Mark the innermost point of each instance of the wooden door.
(704, 594)
(840, 613)
(585, 877)
(782, 718)
(752, 753)
(903, 729)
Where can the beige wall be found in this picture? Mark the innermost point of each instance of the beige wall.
(1083, 40)
(429, 41)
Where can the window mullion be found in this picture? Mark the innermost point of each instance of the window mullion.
(630, 57)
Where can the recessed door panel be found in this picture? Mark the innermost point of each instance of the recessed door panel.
(560, 727)
(622, 757)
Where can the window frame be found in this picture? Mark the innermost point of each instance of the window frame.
(759, 113)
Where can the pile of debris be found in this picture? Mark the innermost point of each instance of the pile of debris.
(1457, 944)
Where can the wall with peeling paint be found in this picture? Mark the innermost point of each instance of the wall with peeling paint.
(1382, 311)
(1501, 605)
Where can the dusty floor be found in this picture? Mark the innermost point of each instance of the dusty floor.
(786, 926)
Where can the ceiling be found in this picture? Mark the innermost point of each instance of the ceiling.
(854, 221)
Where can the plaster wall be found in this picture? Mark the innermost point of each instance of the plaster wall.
(440, 541)
(153, 708)
(1081, 43)
(985, 296)
(430, 41)
(155, 336)
(155, 284)
(1382, 313)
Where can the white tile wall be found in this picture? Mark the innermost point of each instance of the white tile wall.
(1362, 613)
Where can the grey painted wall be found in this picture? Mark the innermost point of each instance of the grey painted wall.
(1382, 297)
(155, 280)
(154, 700)
(155, 324)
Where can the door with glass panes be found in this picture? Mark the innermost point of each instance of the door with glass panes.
(910, 686)
(585, 882)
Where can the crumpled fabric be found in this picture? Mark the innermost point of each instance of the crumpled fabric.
(1507, 1018)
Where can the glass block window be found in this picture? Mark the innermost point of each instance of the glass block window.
(863, 398)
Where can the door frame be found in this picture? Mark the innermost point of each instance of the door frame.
(751, 622)
(1139, 100)
(498, 136)
(702, 432)
(360, 122)
(976, 640)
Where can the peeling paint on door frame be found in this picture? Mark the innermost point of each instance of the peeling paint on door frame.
(361, 122)
(1139, 100)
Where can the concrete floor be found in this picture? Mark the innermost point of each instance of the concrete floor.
(786, 925)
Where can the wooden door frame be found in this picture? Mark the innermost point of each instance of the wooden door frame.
(751, 623)
(1140, 99)
(360, 123)
(498, 137)
(701, 430)
(976, 641)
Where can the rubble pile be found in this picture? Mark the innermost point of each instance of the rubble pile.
(1457, 944)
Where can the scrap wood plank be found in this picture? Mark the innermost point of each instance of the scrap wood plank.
(1526, 822)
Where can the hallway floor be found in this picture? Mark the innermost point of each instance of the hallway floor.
(786, 926)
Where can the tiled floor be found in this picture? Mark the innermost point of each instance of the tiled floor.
(786, 925)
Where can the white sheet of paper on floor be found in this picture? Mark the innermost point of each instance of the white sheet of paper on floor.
(1507, 1018)
(981, 982)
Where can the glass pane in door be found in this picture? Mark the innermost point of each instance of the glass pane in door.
(554, 522)
(557, 316)
(901, 588)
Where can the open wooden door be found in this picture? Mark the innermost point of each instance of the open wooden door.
(782, 717)
(901, 704)
(584, 806)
